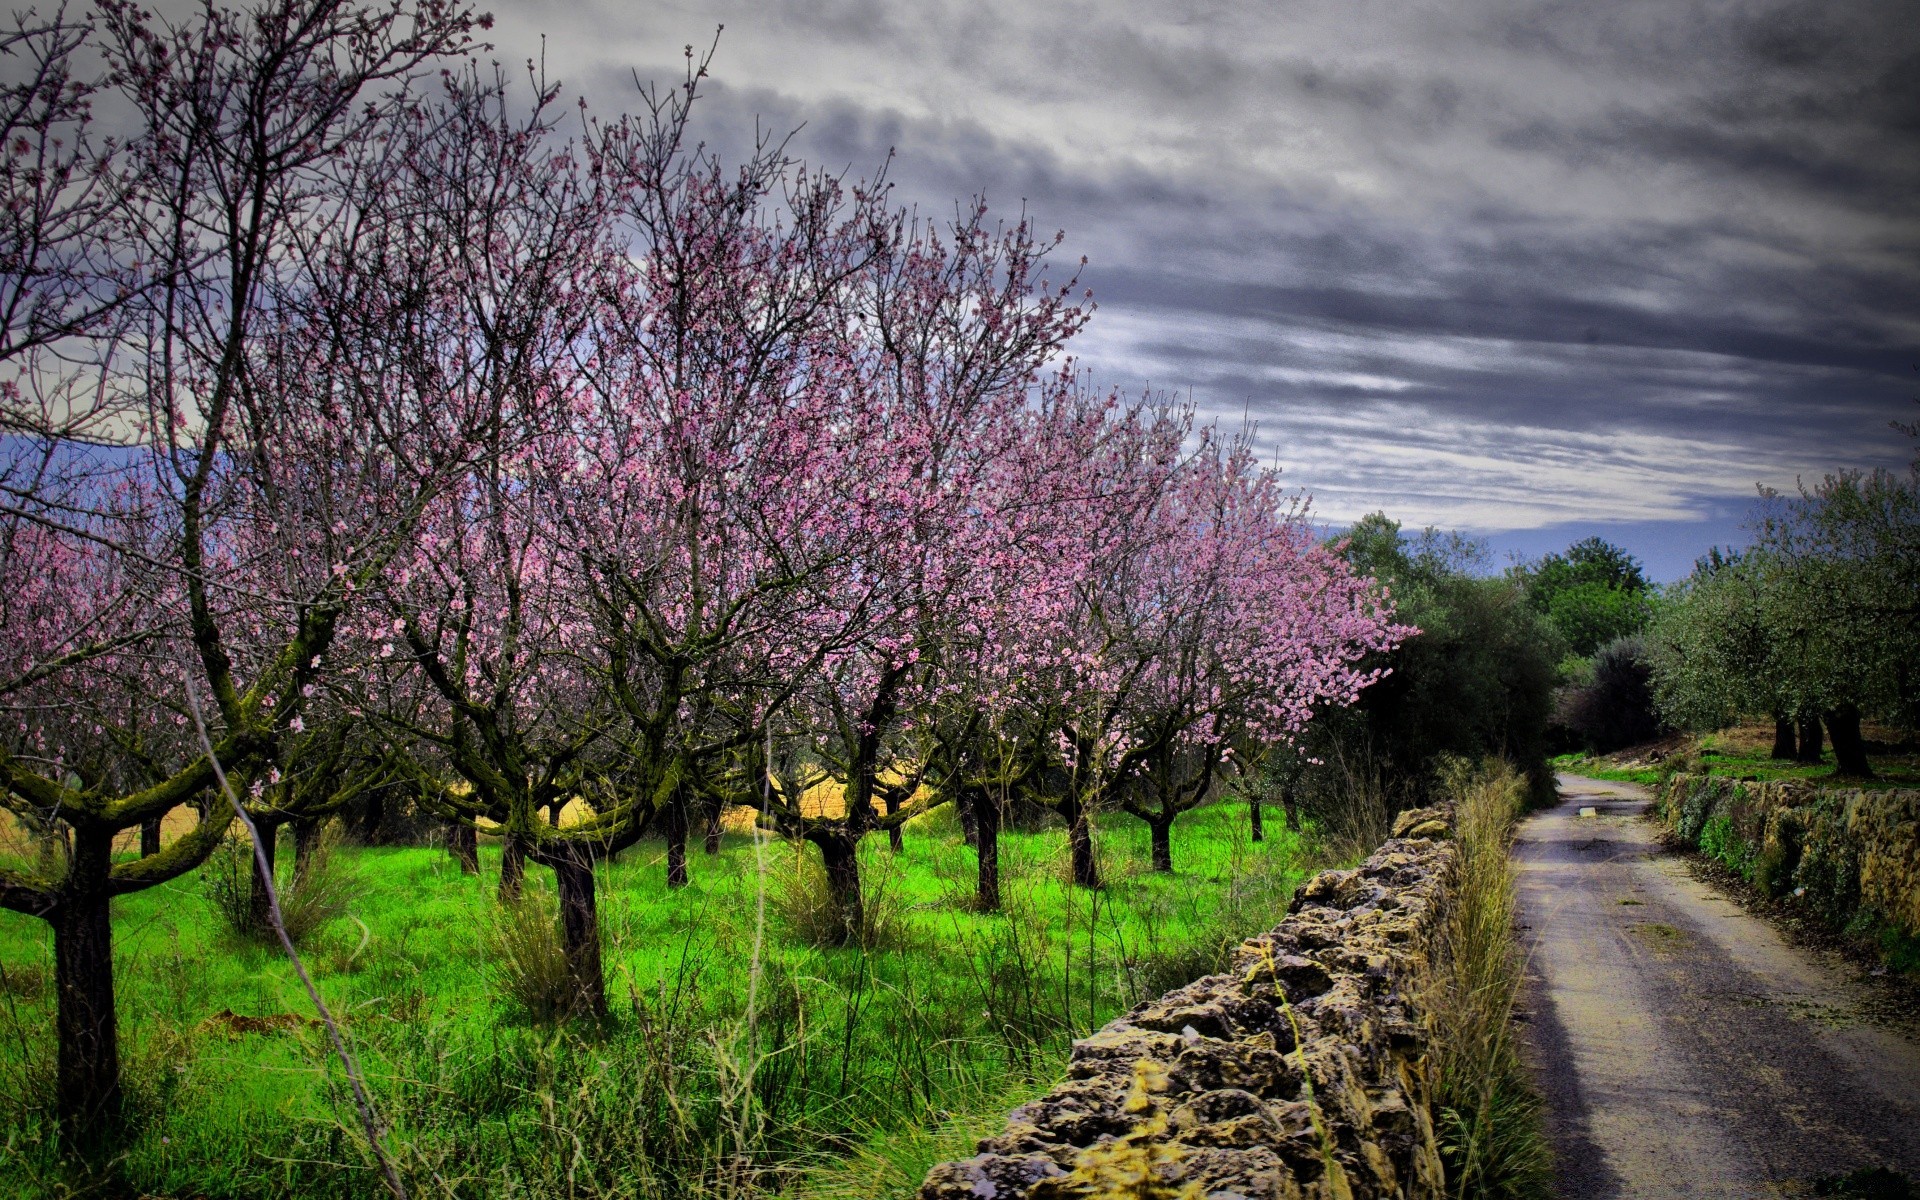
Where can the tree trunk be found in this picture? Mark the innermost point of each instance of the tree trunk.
(1086, 870)
(969, 823)
(986, 841)
(675, 827)
(1162, 844)
(1811, 739)
(372, 816)
(306, 839)
(1290, 804)
(463, 842)
(88, 1084)
(1258, 834)
(150, 837)
(1849, 749)
(1783, 740)
(713, 828)
(579, 929)
(513, 867)
(839, 853)
(894, 842)
(259, 899)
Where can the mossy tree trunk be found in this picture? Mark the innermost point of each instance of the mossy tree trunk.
(513, 867)
(1162, 830)
(572, 867)
(839, 854)
(87, 1086)
(463, 842)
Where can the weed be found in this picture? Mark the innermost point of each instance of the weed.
(528, 962)
(310, 897)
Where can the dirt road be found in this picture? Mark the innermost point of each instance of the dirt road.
(1685, 1049)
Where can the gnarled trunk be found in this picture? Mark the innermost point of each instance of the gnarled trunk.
(1849, 748)
(713, 828)
(1811, 739)
(894, 842)
(839, 854)
(1086, 869)
(150, 837)
(1256, 832)
(579, 928)
(87, 1088)
(1290, 804)
(969, 825)
(1783, 739)
(372, 816)
(306, 840)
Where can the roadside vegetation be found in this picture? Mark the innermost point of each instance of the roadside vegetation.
(1493, 1140)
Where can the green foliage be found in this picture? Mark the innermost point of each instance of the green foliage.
(1592, 594)
(1590, 615)
(1818, 617)
(1614, 707)
(1719, 840)
(847, 1060)
(1477, 681)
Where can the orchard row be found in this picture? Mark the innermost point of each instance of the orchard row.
(374, 419)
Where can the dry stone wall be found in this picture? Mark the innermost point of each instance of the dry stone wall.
(1842, 854)
(1302, 1072)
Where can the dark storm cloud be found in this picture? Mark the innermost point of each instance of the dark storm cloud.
(1507, 263)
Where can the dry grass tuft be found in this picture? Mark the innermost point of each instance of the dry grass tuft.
(1491, 1136)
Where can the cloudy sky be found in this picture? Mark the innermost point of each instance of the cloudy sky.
(1530, 269)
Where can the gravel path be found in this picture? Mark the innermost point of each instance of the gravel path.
(1685, 1049)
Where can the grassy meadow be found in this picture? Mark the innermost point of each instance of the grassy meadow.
(741, 1060)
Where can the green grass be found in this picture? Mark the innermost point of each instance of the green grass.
(853, 1072)
(1744, 753)
(1602, 768)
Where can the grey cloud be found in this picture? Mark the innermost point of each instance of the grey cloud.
(1602, 260)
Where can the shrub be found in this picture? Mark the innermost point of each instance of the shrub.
(1615, 709)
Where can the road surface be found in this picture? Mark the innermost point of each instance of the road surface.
(1684, 1048)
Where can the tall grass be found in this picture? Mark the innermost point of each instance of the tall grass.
(741, 1061)
(310, 897)
(1492, 1139)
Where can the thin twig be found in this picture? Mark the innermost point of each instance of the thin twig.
(369, 1120)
